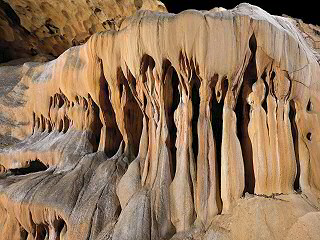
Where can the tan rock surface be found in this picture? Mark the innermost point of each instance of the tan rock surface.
(50, 27)
(276, 217)
(158, 130)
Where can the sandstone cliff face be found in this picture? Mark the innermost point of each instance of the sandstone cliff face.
(28, 28)
(157, 131)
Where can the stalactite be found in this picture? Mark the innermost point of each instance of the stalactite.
(207, 194)
(232, 166)
(181, 188)
(258, 133)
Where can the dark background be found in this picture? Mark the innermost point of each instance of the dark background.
(308, 11)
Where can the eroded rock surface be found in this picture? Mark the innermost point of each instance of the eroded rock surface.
(158, 130)
(28, 28)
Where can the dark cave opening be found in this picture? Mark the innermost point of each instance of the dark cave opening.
(11, 14)
(295, 136)
(171, 124)
(195, 96)
(59, 100)
(121, 89)
(216, 123)
(66, 122)
(60, 126)
(112, 135)
(96, 125)
(23, 234)
(131, 110)
(34, 166)
(309, 106)
(243, 116)
(41, 232)
(42, 123)
(309, 136)
(242, 110)
(59, 224)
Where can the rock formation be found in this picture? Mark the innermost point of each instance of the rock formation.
(187, 126)
(28, 28)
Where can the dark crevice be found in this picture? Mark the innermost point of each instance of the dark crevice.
(273, 75)
(132, 112)
(49, 126)
(60, 127)
(294, 131)
(112, 136)
(264, 76)
(309, 106)
(272, 85)
(66, 124)
(243, 116)
(11, 14)
(134, 82)
(37, 123)
(43, 126)
(175, 100)
(59, 100)
(144, 101)
(195, 113)
(267, 90)
(146, 61)
(23, 234)
(216, 123)
(253, 45)
(85, 104)
(242, 134)
(96, 125)
(224, 86)
(264, 103)
(118, 211)
(41, 232)
(34, 166)
(97, 10)
(121, 89)
(33, 122)
(59, 225)
(309, 136)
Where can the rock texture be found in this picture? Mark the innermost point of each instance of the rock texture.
(158, 130)
(28, 28)
(310, 32)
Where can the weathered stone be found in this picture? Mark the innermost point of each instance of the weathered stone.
(28, 28)
(157, 131)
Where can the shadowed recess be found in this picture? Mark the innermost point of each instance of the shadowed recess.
(33, 166)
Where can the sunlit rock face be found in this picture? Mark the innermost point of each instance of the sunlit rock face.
(187, 126)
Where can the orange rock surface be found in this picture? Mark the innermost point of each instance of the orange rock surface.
(187, 126)
(50, 27)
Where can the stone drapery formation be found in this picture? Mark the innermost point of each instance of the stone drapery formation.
(165, 123)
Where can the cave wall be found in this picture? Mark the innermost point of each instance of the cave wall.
(29, 28)
(166, 123)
